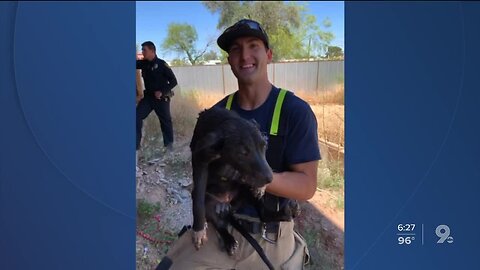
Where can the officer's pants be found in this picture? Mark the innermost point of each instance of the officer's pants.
(162, 109)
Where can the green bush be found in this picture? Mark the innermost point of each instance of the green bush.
(146, 210)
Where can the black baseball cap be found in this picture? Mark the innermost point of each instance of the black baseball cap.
(242, 28)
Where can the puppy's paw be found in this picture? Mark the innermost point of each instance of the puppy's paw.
(231, 245)
(200, 237)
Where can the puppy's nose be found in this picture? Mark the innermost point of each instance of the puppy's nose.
(267, 174)
(269, 178)
(264, 171)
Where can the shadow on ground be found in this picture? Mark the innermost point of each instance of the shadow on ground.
(325, 238)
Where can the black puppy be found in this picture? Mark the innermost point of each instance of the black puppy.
(229, 167)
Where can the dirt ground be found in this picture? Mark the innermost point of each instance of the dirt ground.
(165, 179)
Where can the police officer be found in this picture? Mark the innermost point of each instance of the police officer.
(159, 81)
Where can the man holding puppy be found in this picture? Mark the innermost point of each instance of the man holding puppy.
(290, 128)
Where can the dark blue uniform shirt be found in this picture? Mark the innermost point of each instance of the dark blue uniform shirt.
(301, 127)
(157, 76)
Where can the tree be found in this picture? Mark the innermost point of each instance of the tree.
(334, 52)
(179, 62)
(326, 37)
(279, 19)
(315, 38)
(182, 38)
(223, 57)
(293, 33)
(308, 34)
(210, 55)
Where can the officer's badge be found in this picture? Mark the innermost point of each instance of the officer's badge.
(155, 66)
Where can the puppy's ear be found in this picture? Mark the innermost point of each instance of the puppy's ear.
(209, 145)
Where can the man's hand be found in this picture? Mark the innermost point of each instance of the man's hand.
(139, 98)
(158, 95)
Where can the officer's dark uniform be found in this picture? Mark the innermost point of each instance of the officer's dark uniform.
(157, 76)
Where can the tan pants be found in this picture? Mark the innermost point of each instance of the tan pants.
(290, 252)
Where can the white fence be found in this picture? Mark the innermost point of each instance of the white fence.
(314, 76)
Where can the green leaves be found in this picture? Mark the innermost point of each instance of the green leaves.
(182, 39)
(293, 33)
(334, 52)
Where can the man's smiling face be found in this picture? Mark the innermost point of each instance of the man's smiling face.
(248, 57)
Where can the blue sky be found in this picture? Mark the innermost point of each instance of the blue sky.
(153, 19)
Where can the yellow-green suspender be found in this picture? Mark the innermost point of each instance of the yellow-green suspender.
(276, 111)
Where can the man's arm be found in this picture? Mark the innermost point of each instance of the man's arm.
(299, 184)
(139, 84)
(302, 153)
(141, 64)
(167, 71)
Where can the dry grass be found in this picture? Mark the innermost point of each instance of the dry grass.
(186, 106)
(185, 110)
(331, 122)
(204, 99)
(335, 95)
